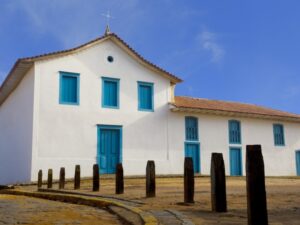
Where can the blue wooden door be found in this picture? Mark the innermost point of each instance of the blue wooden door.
(193, 150)
(298, 162)
(109, 150)
(235, 162)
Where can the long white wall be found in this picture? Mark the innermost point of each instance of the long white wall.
(214, 137)
(66, 135)
(16, 120)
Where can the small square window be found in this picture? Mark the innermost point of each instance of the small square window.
(110, 92)
(191, 128)
(69, 88)
(234, 132)
(278, 131)
(145, 96)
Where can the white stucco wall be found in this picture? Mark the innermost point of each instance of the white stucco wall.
(66, 135)
(16, 119)
(214, 137)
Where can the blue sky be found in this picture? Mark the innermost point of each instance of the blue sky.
(246, 51)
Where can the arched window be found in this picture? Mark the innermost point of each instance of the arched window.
(234, 132)
(191, 128)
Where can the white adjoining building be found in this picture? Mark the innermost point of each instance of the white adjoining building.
(103, 103)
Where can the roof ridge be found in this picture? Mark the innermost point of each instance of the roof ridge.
(141, 57)
(217, 100)
(22, 65)
(113, 35)
(234, 102)
(65, 50)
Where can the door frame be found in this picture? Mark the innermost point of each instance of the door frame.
(110, 127)
(199, 153)
(297, 165)
(241, 159)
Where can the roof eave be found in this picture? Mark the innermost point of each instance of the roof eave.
(175, 108)
(117, 40)
(24, 64)
(15, 76)
(174, 79)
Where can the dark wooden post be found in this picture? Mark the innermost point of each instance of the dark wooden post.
(189, 182)
(96, 184)
(150, 179)
(256, 190)
(62, 175)
(40, 179)
(77, 177)
(218, 183)
(50, 178)
(119, 179)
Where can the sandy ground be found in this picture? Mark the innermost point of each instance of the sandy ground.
(24, 210)
(283, 198)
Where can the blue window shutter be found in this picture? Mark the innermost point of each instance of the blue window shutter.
(192, 149)
(110, 92)
(145, 92)
(235, 159)
(278, 135)
(298, 162)
(234, 132)
(69, 88)
(191, 128)
(145, 96)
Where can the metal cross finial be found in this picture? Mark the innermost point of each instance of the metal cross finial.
(108, 17)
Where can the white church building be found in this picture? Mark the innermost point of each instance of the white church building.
(104, 103)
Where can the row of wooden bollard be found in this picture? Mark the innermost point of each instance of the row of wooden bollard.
(62, 180)
(61, 183)
(218, 183)
(255, 179)
(150, 180)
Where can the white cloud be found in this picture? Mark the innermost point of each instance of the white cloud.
(60, 19)
(208, 42)
(74, 22)
(291, 92)
(191, 90)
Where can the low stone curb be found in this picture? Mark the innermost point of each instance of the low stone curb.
(147, 218)
(109, 177)
(184, 220)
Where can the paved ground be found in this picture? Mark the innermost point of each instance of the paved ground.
(25, 210)
(283, 200)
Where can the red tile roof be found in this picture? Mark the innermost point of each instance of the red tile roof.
(107, 36)
(189, 103)
(22, 65)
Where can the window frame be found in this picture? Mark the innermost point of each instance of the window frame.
(69, 74)
(241, 159)
(197, 129)
(151, 85)
(296, 163)
(274, 134)
(240, 132)
(117, 81)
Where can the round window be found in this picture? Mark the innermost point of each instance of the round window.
(110, 58)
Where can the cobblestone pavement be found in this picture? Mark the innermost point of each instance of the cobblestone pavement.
(25, 210)
(283, 198)
(171, 217)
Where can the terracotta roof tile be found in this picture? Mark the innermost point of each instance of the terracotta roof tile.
(231, 107)
(38, 57)
(22, 65)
